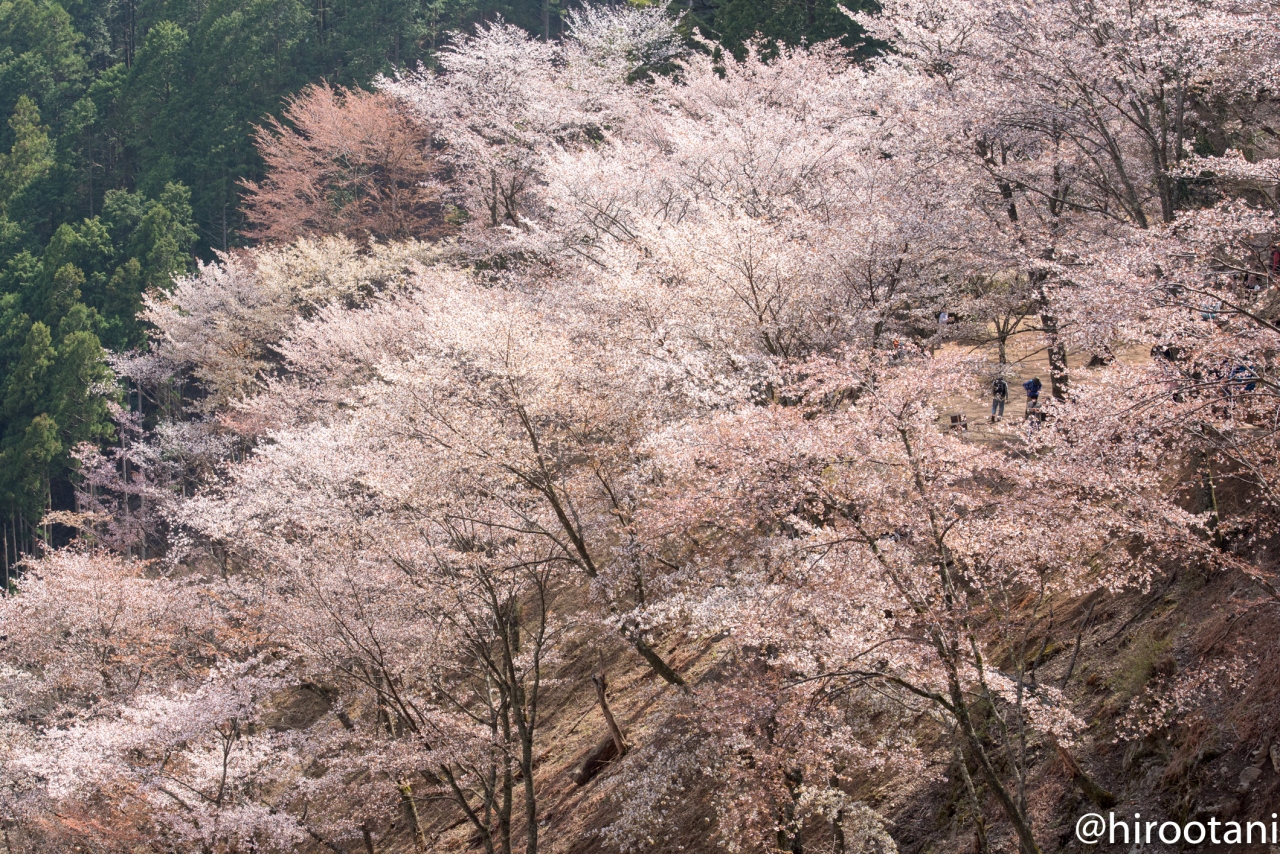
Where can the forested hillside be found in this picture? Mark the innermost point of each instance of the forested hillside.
(127, 133)
(647, 439)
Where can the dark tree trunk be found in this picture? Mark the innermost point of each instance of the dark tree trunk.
(614, 732)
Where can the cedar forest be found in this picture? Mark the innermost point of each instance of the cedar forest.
(481, 425)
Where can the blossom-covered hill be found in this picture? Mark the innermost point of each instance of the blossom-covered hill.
(624, 514)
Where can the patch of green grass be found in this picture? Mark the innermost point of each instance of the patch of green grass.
(1138, 663)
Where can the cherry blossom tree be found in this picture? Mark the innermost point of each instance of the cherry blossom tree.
(506, 102)
(1073, 121)
(344, 161)
(93, 649)
(929, 535)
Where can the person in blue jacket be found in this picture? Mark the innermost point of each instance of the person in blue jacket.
(1032, 388)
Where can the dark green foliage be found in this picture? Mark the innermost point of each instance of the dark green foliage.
(30, 157)
(52, 402)
(107, 263)
(61, 300)
(41, 60)
(774, 22)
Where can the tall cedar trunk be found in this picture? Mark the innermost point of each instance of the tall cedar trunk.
(524, 706)
(525, 709)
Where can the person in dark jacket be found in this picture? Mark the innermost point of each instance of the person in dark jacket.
(1032, 388)
(999, 394)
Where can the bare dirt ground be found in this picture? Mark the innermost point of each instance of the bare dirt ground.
(1027, 358)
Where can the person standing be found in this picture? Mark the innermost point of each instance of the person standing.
(999, 394)
(1032, 388)
(936, 341)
